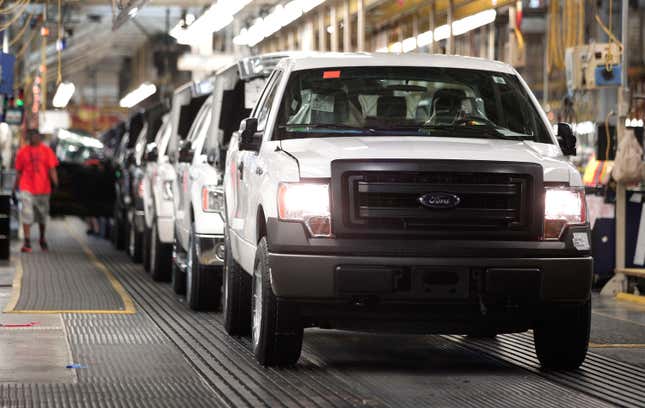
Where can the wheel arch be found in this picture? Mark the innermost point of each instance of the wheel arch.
(260, 225)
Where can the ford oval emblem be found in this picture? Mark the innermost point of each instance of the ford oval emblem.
(439, 200)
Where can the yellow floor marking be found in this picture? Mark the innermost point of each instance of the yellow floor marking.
(611, 345)
(128, 304)
(631, 298)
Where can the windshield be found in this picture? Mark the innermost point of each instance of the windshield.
(403, 101)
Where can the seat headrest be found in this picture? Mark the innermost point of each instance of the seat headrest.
(330, 108)
(447, 100)
(392, 107)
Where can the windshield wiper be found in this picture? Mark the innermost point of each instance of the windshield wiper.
(331, 126)
(489, 130)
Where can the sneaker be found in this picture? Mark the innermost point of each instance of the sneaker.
(44, 246)
(26, 247)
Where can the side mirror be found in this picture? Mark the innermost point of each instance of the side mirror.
(250, 139)
(211, 156)
(152, 153)
(185, 152)
(566, 139)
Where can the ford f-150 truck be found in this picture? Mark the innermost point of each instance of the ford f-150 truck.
(407, 193)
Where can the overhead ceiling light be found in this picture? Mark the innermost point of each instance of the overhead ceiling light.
(214, 19)
(144, 91)
(442, 32)
(280, 16)
(132, 13)
(63, 94)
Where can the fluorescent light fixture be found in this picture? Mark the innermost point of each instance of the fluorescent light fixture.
(477, 20)
(63, 94)
(409, 44)
(424, 39)
(144, 91)
(441, 32)
(459, 27)
(395, 47)
(214, 19)
(280, 16)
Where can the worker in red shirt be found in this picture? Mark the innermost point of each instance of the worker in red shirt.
(35, 173)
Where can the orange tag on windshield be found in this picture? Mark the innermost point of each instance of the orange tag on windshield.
(331, 74)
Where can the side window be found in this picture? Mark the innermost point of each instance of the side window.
(203, 130)
(265, 106)
(269, 83)
(199, 123)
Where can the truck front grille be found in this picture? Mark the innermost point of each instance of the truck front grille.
(495, 200)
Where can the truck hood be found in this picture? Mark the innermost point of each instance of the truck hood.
(314, 155)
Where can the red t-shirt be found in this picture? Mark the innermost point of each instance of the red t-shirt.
(34, 164)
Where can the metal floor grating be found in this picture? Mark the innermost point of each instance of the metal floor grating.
(64, 279)
(134, 361)
(613, 381)
(450, 375)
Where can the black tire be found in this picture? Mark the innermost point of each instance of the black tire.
(118, 230)
(237, 296)
(125, 226)
(203, 284)
(276, 332)
(135, 241)
(160, 257)
(178, 278)
(561, 337)
(147, 232)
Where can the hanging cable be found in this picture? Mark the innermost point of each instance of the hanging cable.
(26, 44)
(9, 10)
(22, 31)
(6, 25)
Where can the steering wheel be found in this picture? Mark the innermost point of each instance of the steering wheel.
(473, 118)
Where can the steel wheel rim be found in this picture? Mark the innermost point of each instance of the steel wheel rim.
(257, 304)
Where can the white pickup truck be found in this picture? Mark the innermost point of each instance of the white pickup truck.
(406, 193)
(198, 199)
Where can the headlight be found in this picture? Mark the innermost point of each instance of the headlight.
(562, 207)
(307, 203)
(166, 190)
(212, 199)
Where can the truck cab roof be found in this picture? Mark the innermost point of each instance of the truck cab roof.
(303, 61)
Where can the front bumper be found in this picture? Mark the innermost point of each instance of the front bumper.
(427, 271)
(404, 279)
(210, 249)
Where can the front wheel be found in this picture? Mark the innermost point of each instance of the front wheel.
(160, 256)
(277, 330)
(147, 233)
(561, 336)
(135, 240)
(203, 284)
(237, 295)
(178, 277)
